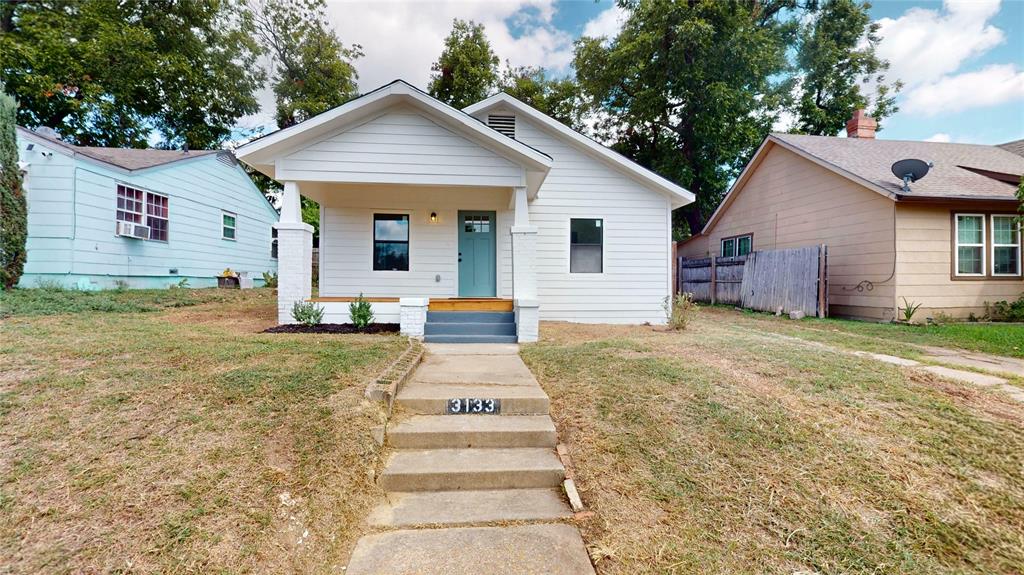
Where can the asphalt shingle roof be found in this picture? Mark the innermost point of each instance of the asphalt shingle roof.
(128, 158)
(872, 159)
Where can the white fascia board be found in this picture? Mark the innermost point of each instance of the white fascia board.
(679, 195)
(261, 153)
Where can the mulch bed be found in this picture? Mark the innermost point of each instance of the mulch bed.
(334, 328)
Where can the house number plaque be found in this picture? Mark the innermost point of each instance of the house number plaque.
(473, 406)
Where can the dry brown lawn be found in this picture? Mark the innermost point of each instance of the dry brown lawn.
(727, 449)
(183, 440)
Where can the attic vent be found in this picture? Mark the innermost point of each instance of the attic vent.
(226, 158)
(504, 124)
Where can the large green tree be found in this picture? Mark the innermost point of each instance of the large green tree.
(691, 87)
(467, 70)
(114, 72)
(556, 97)
(13, 208)
(839, 70)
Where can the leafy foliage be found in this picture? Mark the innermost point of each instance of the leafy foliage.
(110, 72)
(1006, 311)
(307, 313)
(908, 310)
(361, 312)
(270, 279)
(679, 310)
(556, 97)
(467, 69)
(13, 207)
(312, 70)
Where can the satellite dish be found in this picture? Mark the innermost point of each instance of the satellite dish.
(910, 170)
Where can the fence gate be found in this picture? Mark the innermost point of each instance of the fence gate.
(791, 279)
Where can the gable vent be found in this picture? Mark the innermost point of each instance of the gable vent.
(226, 158)
(504, 124)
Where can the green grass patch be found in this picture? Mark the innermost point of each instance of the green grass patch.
(54, 301)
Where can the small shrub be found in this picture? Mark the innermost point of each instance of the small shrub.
(49, 285)
(1005, 311)
(679, 310)
(120, 285)
(361, 312)
(307, 313)
(908, 310)
(182, 284)
(270, 279)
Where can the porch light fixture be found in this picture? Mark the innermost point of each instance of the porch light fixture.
(433, 217)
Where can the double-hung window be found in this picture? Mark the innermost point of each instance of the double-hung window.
(228, 221)
(586, 246)
(144, 208)
(969, 253)
(156, 216)
(391, 242)
(129, 205)
(737, 246)
(1005, 245)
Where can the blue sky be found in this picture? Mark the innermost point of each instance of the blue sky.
(962, 60)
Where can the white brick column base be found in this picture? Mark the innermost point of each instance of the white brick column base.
(524, 262)
(527, 320)
(413, 314)
(294, 267)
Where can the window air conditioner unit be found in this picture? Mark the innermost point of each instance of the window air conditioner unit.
(130, 230)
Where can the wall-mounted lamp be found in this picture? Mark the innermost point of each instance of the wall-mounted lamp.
(433, 217)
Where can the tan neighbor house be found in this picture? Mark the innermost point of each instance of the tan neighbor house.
(949, 243)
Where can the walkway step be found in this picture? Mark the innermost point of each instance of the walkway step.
(466, 507)
(432, 398)
(463, 431)
(467, 328)
(473, 370)
(555, 549)
(471, 316)
(453, 469)
(462, 338)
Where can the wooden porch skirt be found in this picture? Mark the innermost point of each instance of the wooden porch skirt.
(436, 304)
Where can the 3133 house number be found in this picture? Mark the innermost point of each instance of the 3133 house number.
(473, 406)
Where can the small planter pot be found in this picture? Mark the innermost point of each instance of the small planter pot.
(227, 283)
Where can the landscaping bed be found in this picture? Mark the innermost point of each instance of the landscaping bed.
(373, 328)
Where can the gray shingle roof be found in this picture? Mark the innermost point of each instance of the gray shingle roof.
(1016, 147)
(127, 158)
(872, 159)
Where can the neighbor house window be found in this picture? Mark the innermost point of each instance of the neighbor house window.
(156, 216)
(391, 242)
(129, 205)
(273, 243)
(737, 245)
(586, 246)
(728, 247)
(1005, 246)
(970, 245)
(228, 223)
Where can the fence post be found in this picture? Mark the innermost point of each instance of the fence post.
(822, 293)
(714, 280)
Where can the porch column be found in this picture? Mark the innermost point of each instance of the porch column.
(524, 269)
(294, 254)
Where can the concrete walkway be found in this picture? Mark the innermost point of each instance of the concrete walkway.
(455, 482)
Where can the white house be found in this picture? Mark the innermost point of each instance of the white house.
(496, 208)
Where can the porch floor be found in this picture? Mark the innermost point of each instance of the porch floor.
(436, 304)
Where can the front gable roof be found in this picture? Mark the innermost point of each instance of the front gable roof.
(678, 195)
(264, 152)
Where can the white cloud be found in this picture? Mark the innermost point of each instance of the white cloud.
(990, 86)
(940, 137)
(923, 45)
(606, 24)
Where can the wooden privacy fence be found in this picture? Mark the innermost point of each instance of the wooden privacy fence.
(791, 279)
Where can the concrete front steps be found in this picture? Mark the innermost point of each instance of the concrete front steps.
(454, 482)
(470, 327)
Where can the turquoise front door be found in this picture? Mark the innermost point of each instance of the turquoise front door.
(476, 254)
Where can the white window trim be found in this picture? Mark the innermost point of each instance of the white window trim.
(995, 245)
(234, 227)
(390, 212)
(957, 245)
(721, 247)
(568, 247)
(146, 216)
(738, 238)
(141, 214)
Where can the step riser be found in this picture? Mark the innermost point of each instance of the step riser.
(452, 328)
(453, 508)
(470, 317)
(459, 440)
(509, 406)
(451, 481)
(470, 339)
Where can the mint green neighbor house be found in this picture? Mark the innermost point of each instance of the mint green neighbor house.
(106, 217)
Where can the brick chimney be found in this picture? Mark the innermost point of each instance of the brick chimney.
(861, 125)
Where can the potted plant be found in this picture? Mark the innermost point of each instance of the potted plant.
(228, 279)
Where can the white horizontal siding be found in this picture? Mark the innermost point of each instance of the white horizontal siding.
(401, 146)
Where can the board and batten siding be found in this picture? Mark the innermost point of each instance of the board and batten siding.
(924, 265)
(198, 191)
(790, 202)
(637, 236)
(346, 240)
(399, 146)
